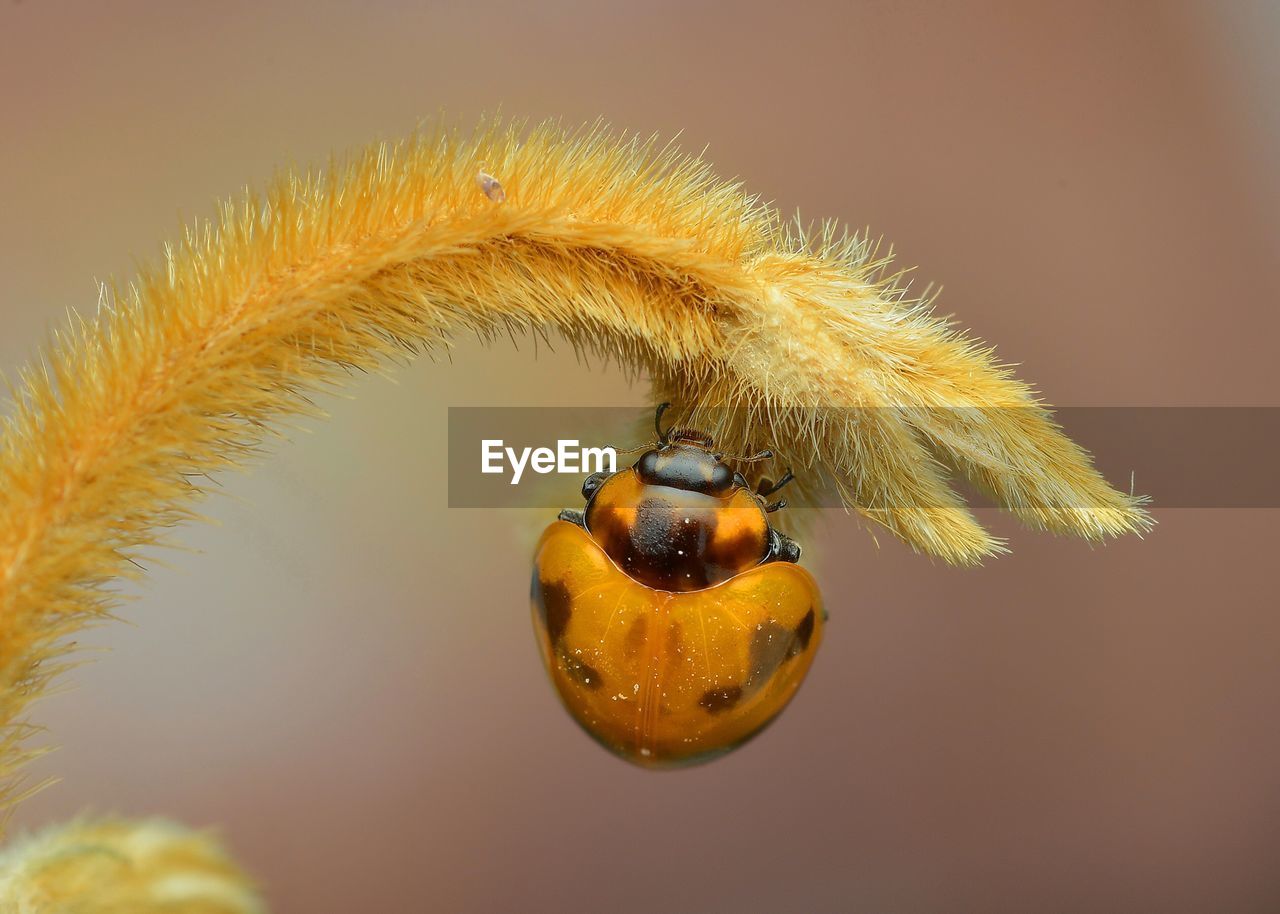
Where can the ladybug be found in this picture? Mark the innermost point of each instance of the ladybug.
(672, 617)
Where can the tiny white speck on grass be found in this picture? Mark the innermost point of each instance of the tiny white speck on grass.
(491, 187)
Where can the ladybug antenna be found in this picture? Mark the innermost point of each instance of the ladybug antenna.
(663, 437)
(628, 450)
(657, 422)
(763, 455)
(767, 488)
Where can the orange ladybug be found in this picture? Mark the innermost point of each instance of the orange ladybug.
(672, 617)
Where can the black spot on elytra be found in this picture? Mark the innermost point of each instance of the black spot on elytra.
(804, 631)
(637, 634)
(717, 701)
(771, 646)
(554, 605)
(582, 672)
(675, 640)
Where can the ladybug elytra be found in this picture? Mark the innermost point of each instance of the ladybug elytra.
(672, 617)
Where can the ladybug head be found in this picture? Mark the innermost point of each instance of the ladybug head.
(685, 459)
(688, 465)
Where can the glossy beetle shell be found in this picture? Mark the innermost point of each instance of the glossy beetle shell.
(663, 677)
(676, 539)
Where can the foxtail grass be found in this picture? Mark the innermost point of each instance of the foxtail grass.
(625, 248)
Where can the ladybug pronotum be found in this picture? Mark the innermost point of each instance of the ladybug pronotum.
(672, 617)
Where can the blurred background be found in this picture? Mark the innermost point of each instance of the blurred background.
(342, 679)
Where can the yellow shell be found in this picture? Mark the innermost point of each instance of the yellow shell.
(665, 678)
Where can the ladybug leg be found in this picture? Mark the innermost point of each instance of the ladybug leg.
(657, 422)
(768, 487)
(782, 548)
(573, 517)
(590, 486)
(591, 483)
